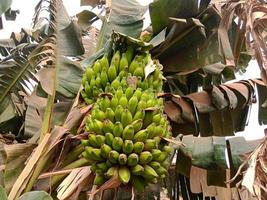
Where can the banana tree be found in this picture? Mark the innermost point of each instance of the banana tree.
(200, 45)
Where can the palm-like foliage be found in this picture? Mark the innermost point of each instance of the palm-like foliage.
(199, 46)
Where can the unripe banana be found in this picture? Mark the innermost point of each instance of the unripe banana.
(104, 63)
(123, 63)
(145, 157)
(138, 183)
(156, 118)
(104, 78)
(111, 172)
(112, 73)
(116, 60)
(132, 104)
(128, 132)
(155, 153)
(104, 104)
(150, 144)
(155, 165)
(102, 167)
(129, 92)
(133, 66)
(97, 67)
(122, 159)
(118, 112)
(98, 81)
(119, 93)
(151, 103)
(127, 146)
(118, 129)
(126, 118)
(162, 157)
(149, 172)
(98, 125)
(88, 89)
(129, 54)
(113, 156)
(138, 93)
(85, 142)
(151, 130)
(141, 105)
(99, 179)
(137, 125)
(100, 139)
(105, 149)
(110, 114)
(139, 115)
(123, 101)
(139, 71)
(167, 149)
(117, 143)
(124, 174)
(138, 147)
(93, 153)
(100, 115)
(108, 126)
(89, 74)
(141, 136)
(109, 138)
(115, 84)
(114, 103)
(132, 159)
(161, 171)
(137, 170)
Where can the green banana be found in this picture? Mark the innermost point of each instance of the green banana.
(118, 129)
(111, 172)
(118, 112)
(145, 157)
(150, 144)
(128, 132)
(122, 159)
(104, 63)
(137, 169)
(123, 63)
(116, 60)
(127, 146)
(126, 118)
(139, 115)
(138, 147)
(161, 157)
(99, 179)
(100, 139)
(107, 126)
(117, 143)
(109, 138)
(97, 67)
(105, 149)
(149, 172)
(123, 101)
(132, 104)
(104, 78)
(114, 103)
(132, 159)
(141, 135)
(85, 142)
(155, 153)
(137, 125)
(124, 174)
(155, 165)
(129, 92)
(115, 84)
(110, 114)
(89, 74)
(139, 71)
(112, 73)
(102, 167)
(113, 156)
(129, 54)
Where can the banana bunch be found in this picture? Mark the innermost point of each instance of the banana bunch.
(107, 77)
(125, 127)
